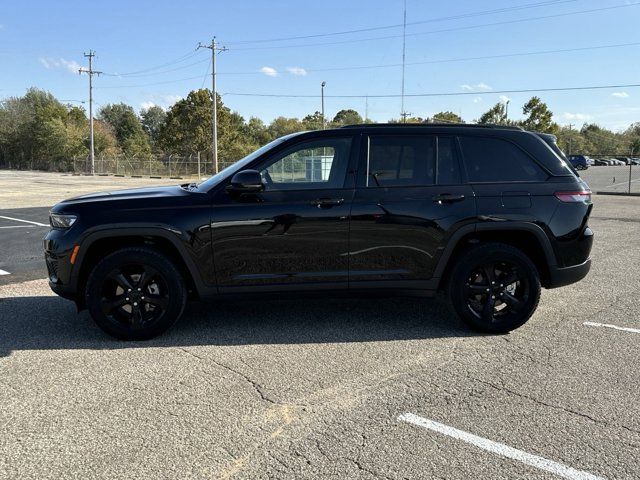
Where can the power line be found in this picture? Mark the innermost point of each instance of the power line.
(419, 22)
(453, 29)
(157, 73)
(151, 84)
(180, 59)
(442, 94)
(451, 60)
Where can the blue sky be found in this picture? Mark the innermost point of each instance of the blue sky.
(42, 42)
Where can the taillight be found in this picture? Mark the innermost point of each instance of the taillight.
(580, 196)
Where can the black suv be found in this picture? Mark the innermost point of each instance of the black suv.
(487, 214)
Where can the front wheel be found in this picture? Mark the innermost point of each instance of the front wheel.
(494, 287)
(135, 294)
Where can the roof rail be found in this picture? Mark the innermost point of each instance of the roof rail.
(431, 125)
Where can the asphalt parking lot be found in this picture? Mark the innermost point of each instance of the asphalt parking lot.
(298, 388)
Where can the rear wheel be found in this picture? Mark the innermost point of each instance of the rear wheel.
(135, 294)
(494, 287)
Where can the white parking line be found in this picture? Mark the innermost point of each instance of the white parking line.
(4, 272)
(25, 221)
(499, 448)
(21, 226)
(615, 327)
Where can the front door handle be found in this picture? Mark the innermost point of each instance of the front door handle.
(327, 202)
(448, 198)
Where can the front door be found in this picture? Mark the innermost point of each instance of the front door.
(408, 200)
(296, 231)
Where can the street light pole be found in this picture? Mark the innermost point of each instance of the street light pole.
(322, 100)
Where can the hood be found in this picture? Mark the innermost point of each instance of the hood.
(123, 195)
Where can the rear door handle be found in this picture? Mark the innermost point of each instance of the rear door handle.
(327, 202)
(448, 198)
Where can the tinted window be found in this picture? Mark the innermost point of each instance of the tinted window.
(448, 170)
(497, 160)
(401, 160)
(314, 164)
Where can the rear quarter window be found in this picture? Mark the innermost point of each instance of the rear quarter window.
(496, 160)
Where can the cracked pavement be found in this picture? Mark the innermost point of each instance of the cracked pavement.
(312, 388)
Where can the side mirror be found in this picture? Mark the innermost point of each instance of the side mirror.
(246, 181)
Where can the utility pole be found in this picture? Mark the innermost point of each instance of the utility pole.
(404, 116)
(404, 44)
(322, 85)
(506, 111)
(91, 72)
(570, 138)
(366, 108)
(214, 113)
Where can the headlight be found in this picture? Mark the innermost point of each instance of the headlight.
(62, 221)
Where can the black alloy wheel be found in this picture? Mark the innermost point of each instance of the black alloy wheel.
(135, 293)
(494, 287)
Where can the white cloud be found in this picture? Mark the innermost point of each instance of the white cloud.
(298, 71)
(504, 98)
(55, 63)
(477, 100)
(478, 87)
(581, 117)
(269, 71)
(147, 105)
(620, 94)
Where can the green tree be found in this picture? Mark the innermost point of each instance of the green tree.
(152, 120)
(496, 115)
(127, 128)
(284, 126)
(347, 117)
(187, 129)
(538, 116)
(313, 122)
(446, 117)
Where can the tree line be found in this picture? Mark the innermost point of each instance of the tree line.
(40, 132)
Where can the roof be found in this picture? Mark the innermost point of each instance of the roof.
(434, 125)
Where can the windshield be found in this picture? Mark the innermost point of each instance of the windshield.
(240, 164)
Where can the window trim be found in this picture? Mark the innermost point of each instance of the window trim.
(468, 179)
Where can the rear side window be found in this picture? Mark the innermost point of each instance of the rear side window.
(448, 170)
(401, 161)
(496, 160)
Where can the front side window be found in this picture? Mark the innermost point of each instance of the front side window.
(315, 164)
(496, 160)
(401, 161)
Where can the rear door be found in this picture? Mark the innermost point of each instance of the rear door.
(409, 198)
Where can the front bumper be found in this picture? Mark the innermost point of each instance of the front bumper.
(559, 277)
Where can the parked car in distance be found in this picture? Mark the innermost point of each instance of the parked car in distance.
(487, 214)
(600, 162)
(624, 160)
(579, 162)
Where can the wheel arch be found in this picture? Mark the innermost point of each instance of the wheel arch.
(527, 237)
(101, 243)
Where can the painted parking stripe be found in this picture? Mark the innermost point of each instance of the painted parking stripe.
(25, 221)
(615, 327)
(20, 226)
(4, 272)
(500, 449)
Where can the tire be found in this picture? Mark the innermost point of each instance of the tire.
(497, 307)
(135, 294)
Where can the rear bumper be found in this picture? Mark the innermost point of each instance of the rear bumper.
(559, 277)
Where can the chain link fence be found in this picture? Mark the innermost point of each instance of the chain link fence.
(169, 166)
